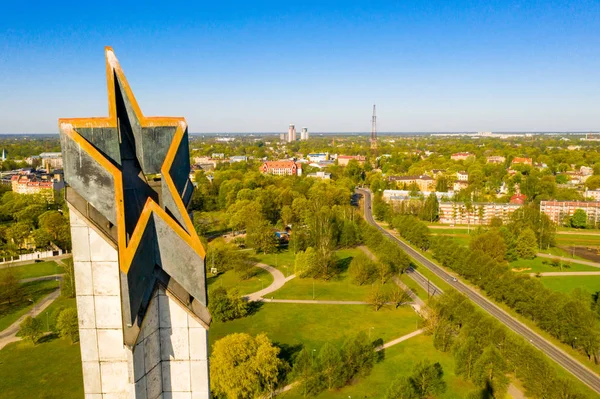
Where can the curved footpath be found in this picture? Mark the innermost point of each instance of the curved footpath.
(9, 334)
(569, 363)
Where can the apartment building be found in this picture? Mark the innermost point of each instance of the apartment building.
(282, 168)
(558, 210)
(477, 213)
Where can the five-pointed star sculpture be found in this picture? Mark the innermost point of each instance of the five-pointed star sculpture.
(134, 170)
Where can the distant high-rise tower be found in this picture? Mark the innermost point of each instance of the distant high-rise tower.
(3, 154)
(304, 134)
(292, 134)
(374, 129)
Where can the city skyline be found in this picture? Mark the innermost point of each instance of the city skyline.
(236, 68)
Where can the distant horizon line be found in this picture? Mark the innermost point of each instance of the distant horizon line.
(360, 133)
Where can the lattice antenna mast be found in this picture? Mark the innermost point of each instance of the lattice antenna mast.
(374, 129)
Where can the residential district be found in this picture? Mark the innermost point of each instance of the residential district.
(337, 266)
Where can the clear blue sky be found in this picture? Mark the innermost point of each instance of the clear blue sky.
(257, 66)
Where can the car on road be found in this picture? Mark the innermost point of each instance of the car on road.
(454, 279)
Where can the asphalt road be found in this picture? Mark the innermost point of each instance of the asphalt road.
(570, 364)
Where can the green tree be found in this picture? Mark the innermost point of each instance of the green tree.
(579, 219)
(431, 209)
(10, 289)
(362, 269)
(31, 329)
(261, 236)
(399, 297)
(377, 297)
(490, 243)
(426, 380)
(490, 370)
(242, 366)
(306, 370)
(442, 184)
(68, 282)
(330, 363)
(358, 355)
(41, 238)
(226, 305)
(67, 325)
(465, 356)
(526, 245)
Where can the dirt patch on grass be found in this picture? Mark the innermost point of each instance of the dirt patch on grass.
(521, 269)
(589, 253)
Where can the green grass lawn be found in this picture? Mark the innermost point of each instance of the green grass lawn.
(337, 288)
(537, 266)
(561, 252)
(231, 279)
(399, 360)
(49, 370)
(569, 283)
(581, 240)
(282, 260)
(36, 270)
(313, 325)
(35, 291)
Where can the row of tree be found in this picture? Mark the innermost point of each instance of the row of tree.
(566, 317)
(334, 367)
(413, 230)
(485, 352)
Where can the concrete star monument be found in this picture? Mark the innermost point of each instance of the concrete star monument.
(139, 264)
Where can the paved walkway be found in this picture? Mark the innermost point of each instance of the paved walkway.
(314, 301)
(9, 334)
(581, 262)
(278, 281)
(42, 278)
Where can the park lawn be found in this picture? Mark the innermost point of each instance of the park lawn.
(294, 325)
(282, 260)
(48, 313)
(35, 291)
(49, 370)
(580, 240)
(399, 360)
(338, 287)
(561, 252)
(462, 239)
(36, 270)
(567, 284)
(231, 279)
(537, 266)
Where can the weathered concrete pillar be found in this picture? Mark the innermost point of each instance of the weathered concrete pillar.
(139, 265)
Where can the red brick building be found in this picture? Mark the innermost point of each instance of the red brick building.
(281, 168)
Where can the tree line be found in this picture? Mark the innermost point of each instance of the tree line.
(485, 351)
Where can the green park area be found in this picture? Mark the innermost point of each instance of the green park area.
(580, 240)
(51, 369)
(398, 361)
(544, 265)
(33, 270)
(310, 325)
(230, 279)
(283, 260)
(568, 284)
(29, 294)
(339, 287)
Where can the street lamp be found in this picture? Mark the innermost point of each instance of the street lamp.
(370, 332)
(313, 357)
(313, 289)
(261, 283)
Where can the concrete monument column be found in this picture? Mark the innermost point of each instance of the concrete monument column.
(139, 265)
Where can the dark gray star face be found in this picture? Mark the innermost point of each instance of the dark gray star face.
(128, 175)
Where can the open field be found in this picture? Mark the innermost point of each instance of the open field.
(399, 361)
(49, 370)
(580, 240)
(36, 270)
(590, 284)
(337, 288)
(283, 260)
(35, 291)
(537, 266)
(312, 325)
(231, 279)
